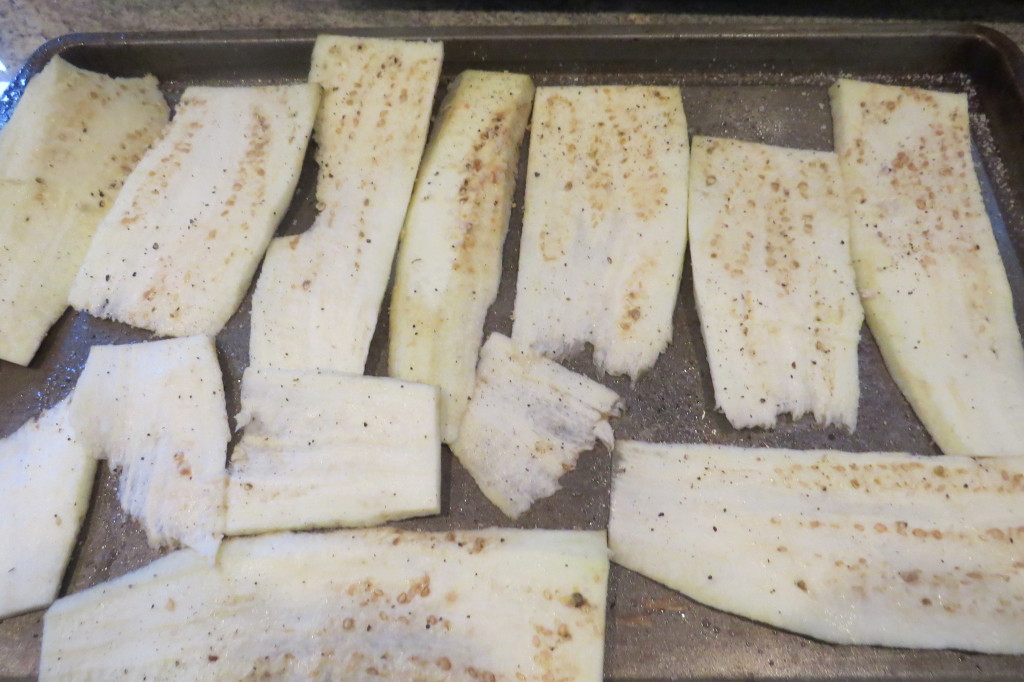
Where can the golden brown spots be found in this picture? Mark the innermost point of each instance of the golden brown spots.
(801, 584)
(417, 588)
(444, 664)
(881, 528)
(910, 577)
(306, 284)
(184, 468)
(481, 675)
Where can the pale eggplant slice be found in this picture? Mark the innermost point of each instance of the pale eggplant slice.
(934, 289)
(64, 155)
(156, 411)
(527, 422)
(449, 263)
(319, 293)
(852, 548)
(46, 479)
(493, 604)
(604, 224)
(773, 282)
(177, 251)
(323, 450)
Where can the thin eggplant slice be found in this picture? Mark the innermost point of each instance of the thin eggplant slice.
(604, 224)
(323, 449)
(528, 420)
(493, 604)
(774, 285)
(46, 479)
(933, 285)
(449, 263)
(64, 156)
(318, 296)
(853, 548)
(177, 251)
(156, 412)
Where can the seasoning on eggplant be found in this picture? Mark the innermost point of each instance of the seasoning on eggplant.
(177, 251)
(324, 449)
(604, 224)
(773, 281)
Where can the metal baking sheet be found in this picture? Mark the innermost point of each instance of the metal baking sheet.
(755, 83)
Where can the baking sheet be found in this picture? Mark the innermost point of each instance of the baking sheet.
(761, 84)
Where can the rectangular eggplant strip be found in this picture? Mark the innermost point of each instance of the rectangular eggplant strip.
(604, 228)
(323, 449)
(774, 285)
(319, 293)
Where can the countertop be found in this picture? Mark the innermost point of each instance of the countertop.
(27, 24)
